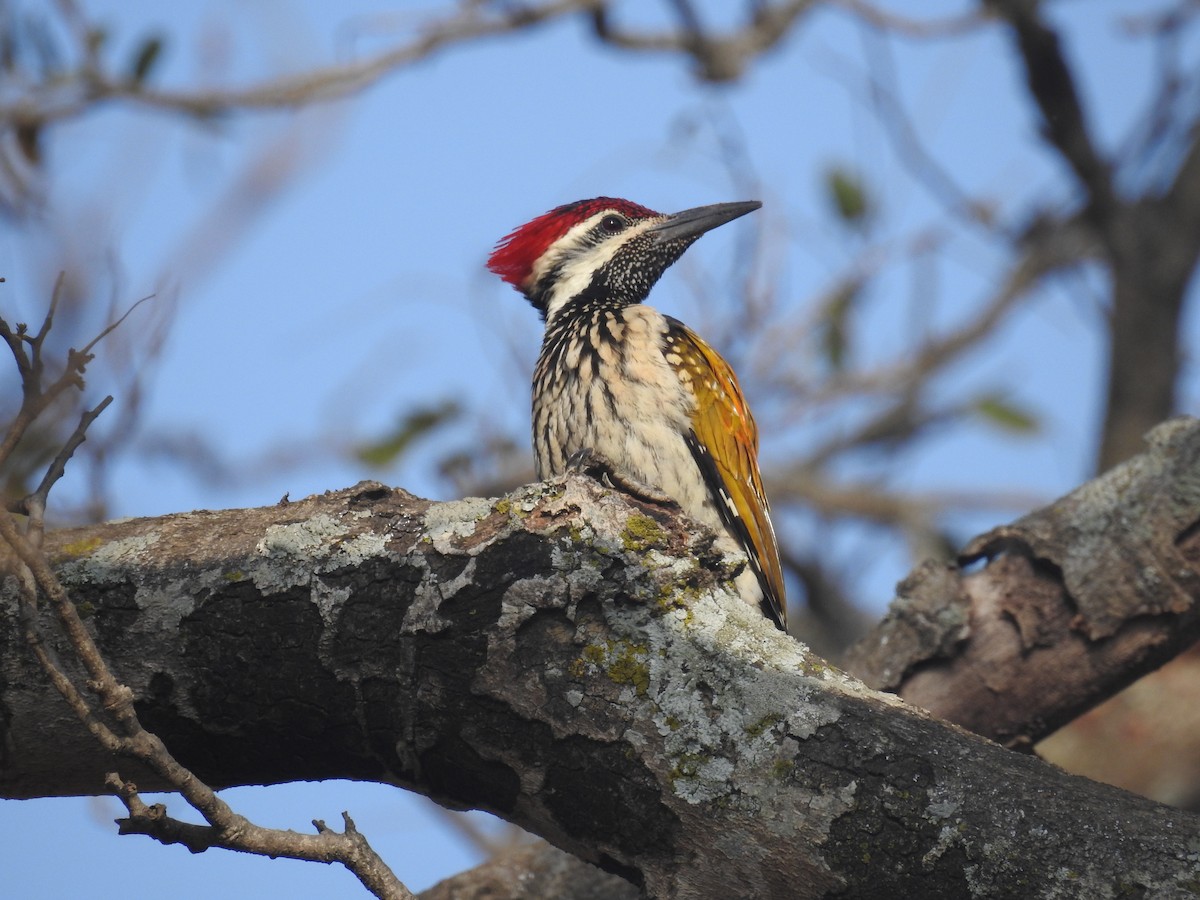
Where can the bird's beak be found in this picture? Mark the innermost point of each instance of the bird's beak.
(691, 223)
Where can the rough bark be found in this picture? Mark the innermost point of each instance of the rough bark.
(573, 661)
(1076, 601)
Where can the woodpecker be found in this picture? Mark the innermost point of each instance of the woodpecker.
(621, 387)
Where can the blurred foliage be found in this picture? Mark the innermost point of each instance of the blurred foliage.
(848, 196)
(833, 325)
(389, 448)
(1005, 414)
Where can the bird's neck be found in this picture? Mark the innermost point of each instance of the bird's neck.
(597, 297)
(580, 315)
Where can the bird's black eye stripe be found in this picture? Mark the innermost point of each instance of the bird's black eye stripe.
(613, 224)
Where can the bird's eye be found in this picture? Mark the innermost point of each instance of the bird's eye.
(612, 224)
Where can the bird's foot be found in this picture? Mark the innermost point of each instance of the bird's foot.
(588, 462)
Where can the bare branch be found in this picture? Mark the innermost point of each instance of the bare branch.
(35, 399)
(941, 27)
(31, 367)
(872, 503)
(112, 326)
(904, 382)
(718, 58)
(349, 847)
(899, 126)
(1161, 21)
(29, 364)
(1184, 192)
(319, 85)
(1052, 86)
(35, 504)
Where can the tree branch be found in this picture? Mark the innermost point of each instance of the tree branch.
(1076, 601)
(328, 846)
(718, 57)
(571, 660)
(1151, 243)
(92, 83)
(1052, 87)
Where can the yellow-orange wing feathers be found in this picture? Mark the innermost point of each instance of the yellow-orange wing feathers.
(724, 443)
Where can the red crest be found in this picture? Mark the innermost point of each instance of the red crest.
(516, 253)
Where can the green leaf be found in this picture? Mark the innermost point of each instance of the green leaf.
(144, 60)
(415, 425)
(848, 195)
(833, 327)
(1003, 413)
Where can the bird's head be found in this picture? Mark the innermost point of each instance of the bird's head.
(603, 249)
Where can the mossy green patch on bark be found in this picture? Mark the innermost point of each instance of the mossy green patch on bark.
(623, 662)
(641, 533)
(766, 723)
(81, 547)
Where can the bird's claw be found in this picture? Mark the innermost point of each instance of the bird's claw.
(588, 462)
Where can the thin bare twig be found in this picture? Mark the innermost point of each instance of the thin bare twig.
(35, 503)
(35, 400)
(31, 367)
(112, 326)
(911, 150)
(1067, 244)
(348, 847)
(718, 58)
(938, 27)
(1160, 21)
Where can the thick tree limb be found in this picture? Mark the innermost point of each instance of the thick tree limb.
(1078, 600)
(572, 661)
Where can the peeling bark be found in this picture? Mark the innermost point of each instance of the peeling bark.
(1075, 602)
(573, 661)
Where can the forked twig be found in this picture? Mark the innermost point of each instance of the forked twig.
(35, 504)
(111, 717)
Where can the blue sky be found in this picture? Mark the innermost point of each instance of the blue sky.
(359, 290)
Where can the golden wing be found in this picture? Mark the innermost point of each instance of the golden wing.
(724, 443)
